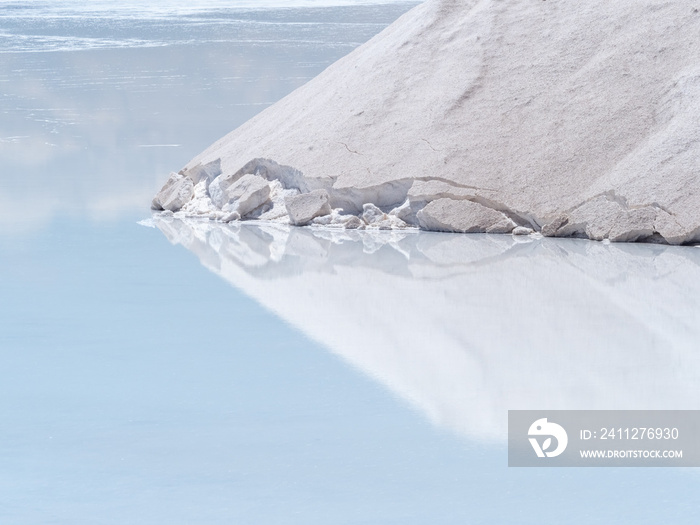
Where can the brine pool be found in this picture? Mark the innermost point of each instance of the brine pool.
(174, 372)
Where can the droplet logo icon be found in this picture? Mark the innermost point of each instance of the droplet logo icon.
(544, 429)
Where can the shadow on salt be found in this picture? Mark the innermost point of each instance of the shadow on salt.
(466, 327)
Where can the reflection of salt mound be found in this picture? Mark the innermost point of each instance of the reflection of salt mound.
(467, 327)
(573, 118)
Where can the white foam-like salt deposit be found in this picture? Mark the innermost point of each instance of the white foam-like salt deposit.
(572, 119)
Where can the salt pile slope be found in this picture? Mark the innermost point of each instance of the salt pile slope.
(570, 118)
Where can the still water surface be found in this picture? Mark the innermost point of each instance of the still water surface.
(342, 379)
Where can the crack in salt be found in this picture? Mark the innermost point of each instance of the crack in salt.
(350, 150)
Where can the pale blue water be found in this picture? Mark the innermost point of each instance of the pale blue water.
(136, 386)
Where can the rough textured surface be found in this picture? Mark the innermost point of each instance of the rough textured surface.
(448, 215)
(306, 206)
(371, 214)
(604, 218)
(245, 195)
(177, 192)
(542, 108)
(204, 172)
(522, 230)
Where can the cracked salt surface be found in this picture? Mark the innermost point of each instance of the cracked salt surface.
(579, 123)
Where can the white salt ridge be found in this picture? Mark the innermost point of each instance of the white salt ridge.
(260, 190)
(573, 119)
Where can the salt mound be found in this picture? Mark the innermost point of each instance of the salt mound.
(570, 118)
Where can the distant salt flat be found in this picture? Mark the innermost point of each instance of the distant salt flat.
(76, 26)
(12, 139)
(167, 8)
(13, 43)
(159, 145)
